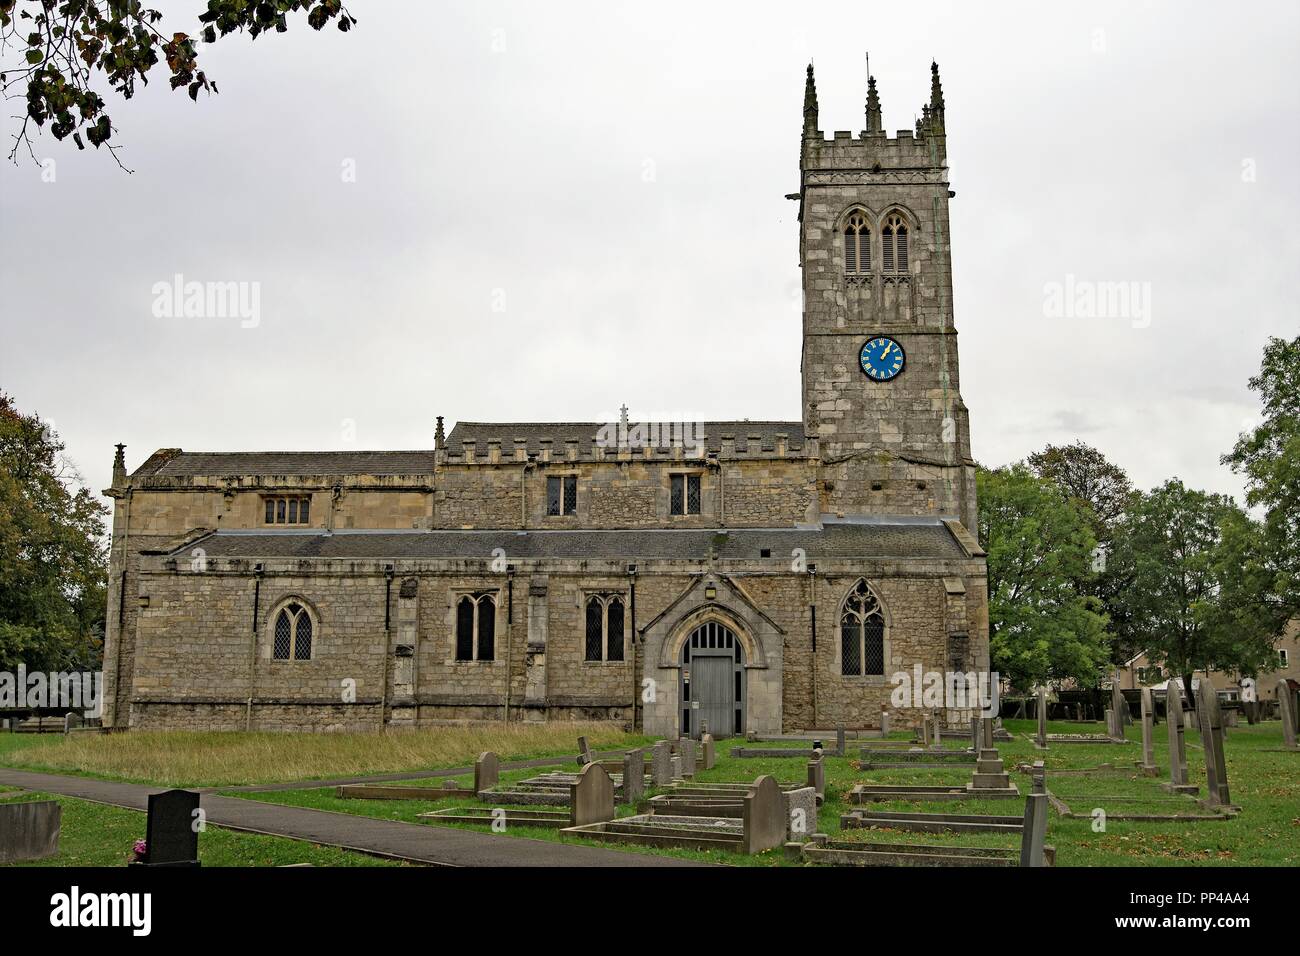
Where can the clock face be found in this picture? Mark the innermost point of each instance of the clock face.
(882, 359)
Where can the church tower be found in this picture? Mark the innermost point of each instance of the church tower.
(880, 383)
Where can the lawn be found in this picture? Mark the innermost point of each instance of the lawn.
(222, 759)
(92, 834)
(1266, 785)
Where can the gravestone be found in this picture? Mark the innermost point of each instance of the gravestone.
(487, 771)
(817, 776)
(840, 746)
(686, 751)
(661, 764)
(1286, 709)
(763, 812)
(71, 721)
(171, 838)
(1118, 704)
(925, 731)
(1148, 753)
(976, 737)
(986, 733)
(801, 814)
(936, 726)
(585, 756)
(591, 797)
(1177, 740)
(1216, 770)
(29, 831)
(1111, 730)
(1041, 741)
(884, 722)
(633, 775)
(675, 766)
(709, 753)
(1033, 836)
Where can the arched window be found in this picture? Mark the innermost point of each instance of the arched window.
(476, 627)
(857, 246)
(605, 632)
(292, 632)
(893, 245)
(862, 634)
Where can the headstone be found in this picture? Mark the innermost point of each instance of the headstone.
(71, 721)
(925, 731)
(976, 734)
(840, 746)
(1286, 709)
(1148, 753)
(764, 816)
(1033, 836)
(1111, 730)
(1177, 740)
(884, 722)
(1041, 709)
(686, 750)
(585, 756)
(709, 752)
(171, 837)
(936, 735)
(817, 776)
(29, 831)
(633, 775)
(1117, 704)
(661, 764)
(986, 733)
(591, 798)
(801, 814)
(487, 771)
(675, 766)
(1249, 698)
(1216, 770)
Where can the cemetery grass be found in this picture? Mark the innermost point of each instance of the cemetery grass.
(93, 834)
(233, 758)
(1266, 785)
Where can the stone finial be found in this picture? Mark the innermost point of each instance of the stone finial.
(439, 436)
(936, 96)
(874, 124)
(119, 467)
(810, 102)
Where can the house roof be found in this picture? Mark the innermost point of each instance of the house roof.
(188, 464)
(912, 540)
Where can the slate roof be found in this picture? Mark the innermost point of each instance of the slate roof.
(187, 464)
(585, 433)
(924, 540)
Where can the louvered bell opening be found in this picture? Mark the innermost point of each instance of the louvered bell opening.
(850, 250)
(887, 243)
(901, 254)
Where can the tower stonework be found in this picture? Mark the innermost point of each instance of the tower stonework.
(902, 446)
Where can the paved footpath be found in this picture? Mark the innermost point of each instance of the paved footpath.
(418, 843)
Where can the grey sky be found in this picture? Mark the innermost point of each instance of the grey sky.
(559, 208)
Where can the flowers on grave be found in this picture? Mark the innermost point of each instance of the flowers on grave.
(140, 850)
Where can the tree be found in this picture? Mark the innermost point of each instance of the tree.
(1269, 458)
(1183, 551)
(1086, 477)
(66, 45)
(1105, 493)
(53, 552)
(1039, 546)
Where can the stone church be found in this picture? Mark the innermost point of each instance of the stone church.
(740, 575)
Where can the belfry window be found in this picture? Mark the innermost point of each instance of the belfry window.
(857, 246)
(893, 245)
(605, 631)
(476, 625)
(862, 634)
(292, 633)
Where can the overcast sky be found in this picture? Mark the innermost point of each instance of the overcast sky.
(542, 211)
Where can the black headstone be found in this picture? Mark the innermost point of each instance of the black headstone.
(172, 838)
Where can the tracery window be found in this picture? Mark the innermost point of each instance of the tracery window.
(292, 632)
(476, 625)
(605, 628)
(862, 633)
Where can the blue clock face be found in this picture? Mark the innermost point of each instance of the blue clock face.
(882, 359)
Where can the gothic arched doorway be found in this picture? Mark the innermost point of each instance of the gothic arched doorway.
(712, 688)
